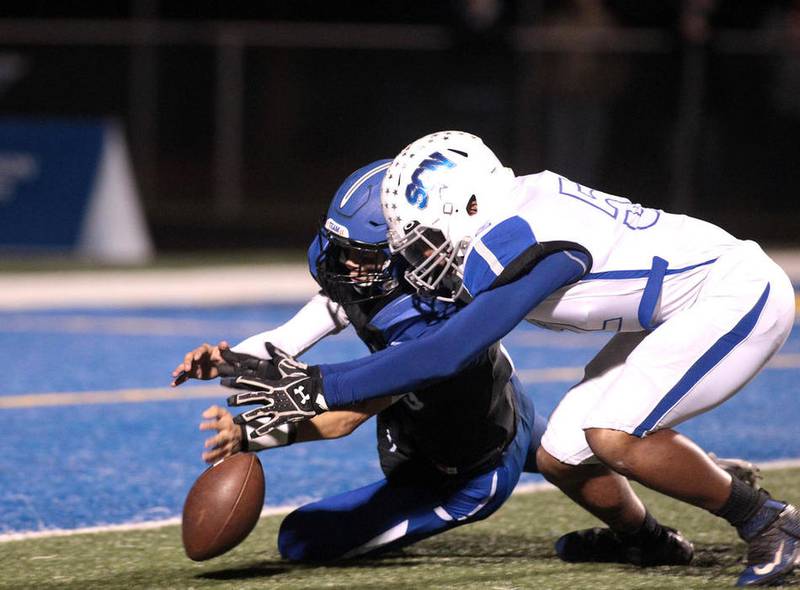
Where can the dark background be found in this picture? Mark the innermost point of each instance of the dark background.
(242, 118)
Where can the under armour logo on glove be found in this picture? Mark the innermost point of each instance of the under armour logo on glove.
(303, 397)
(292, 398)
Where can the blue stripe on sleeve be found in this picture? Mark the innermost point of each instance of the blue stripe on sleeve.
(703, 365)
(508, 239)
(504, 242)
(477, 275)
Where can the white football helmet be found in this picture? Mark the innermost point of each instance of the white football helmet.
(437, 194)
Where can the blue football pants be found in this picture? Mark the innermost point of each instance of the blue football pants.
(383, 515)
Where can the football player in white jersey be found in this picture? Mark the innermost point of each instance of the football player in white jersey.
(697, 314)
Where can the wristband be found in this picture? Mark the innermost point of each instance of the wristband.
(280, 436)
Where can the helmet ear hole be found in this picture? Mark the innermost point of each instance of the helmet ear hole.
(472, 206)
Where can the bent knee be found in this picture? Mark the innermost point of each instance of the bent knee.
(613, 447)
(564, 475)
(553, 470)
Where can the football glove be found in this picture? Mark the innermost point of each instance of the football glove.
(280, 436)
(296, 395)
(238, 364)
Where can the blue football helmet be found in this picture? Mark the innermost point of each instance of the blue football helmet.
(350, 256)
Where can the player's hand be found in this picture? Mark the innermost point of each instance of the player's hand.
(291, 399)
(237, 364)
(296, 396)
(277, 366)
(228, 437)
(201, 363)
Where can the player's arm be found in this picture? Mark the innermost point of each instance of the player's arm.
(489, 317)
(340, 423)
(318, 318)
(305, 391)
(230, 438)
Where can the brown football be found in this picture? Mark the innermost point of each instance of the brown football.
(223, 506)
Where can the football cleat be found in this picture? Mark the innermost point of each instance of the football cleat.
(773, 537)
(670, 547)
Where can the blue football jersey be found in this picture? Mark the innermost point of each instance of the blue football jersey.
(451, 427)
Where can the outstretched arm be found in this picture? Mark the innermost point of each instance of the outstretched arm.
(412, 365)
(317, 319)
(229, 438)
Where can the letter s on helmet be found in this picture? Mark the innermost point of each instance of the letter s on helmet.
(436, 195)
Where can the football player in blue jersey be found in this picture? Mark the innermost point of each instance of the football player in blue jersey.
(441, 470)
(697, 313)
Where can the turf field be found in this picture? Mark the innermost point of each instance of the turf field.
(93, 437)
(512, 549)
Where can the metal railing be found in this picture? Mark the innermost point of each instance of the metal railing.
(230, 39)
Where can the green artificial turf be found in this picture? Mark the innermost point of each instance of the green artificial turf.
(512, 549)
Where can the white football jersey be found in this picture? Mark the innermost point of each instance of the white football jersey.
(646, 264)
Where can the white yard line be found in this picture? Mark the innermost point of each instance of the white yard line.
(527, 488)
(212, 285)
(124, 325)
(112, 528)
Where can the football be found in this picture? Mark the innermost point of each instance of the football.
(223, 506)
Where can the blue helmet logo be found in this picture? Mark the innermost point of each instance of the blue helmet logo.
(415, 191)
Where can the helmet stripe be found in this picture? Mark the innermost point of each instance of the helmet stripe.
(361, 181)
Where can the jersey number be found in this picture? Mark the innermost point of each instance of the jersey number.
(636, 216)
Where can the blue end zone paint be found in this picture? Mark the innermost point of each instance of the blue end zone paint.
(98, 360)
(74, 466)
(135, 462)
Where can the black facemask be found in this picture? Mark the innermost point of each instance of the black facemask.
(352, 272)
